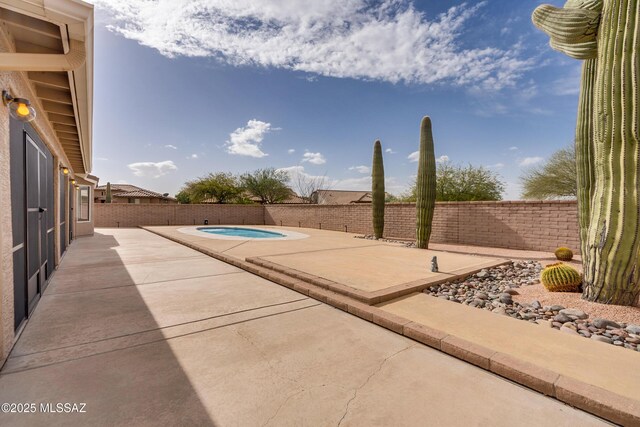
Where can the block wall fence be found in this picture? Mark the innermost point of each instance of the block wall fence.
(529, 225)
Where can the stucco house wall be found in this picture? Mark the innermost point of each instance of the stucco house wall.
(18, 85)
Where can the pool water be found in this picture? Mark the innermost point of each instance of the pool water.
(249, 233)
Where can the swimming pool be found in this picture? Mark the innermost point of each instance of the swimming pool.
(233, 232)
(249, 233)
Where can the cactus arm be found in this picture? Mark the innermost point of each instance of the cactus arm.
(377, 190)
(573, 29)
(586, 50)
(571, 25)
(425, 185)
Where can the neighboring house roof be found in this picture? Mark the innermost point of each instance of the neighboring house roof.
(132, 191)
(141, 194)
(293, 199)
(119, 187)
(341, 197)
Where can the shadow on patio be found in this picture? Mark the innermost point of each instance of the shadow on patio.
(94, 339)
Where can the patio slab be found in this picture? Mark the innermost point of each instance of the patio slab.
(360, 268)
(235, 359)
(64, 320)
(345, 264)
(600, 365)
(73, 279)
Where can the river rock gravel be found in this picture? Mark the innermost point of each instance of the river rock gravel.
(494, 289)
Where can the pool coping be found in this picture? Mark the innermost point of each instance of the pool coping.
(596, 400)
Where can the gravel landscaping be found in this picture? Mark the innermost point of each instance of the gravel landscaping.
(497, 290)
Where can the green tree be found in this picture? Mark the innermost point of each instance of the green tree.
(183, 197)
(456, 183)
(269, 185)
(555, 179)
(222, 187)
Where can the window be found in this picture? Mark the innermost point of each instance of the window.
(84, 194)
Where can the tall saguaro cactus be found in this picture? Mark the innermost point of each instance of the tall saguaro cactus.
(605, 34)
(108, 196)
(377, 190)
(425, 185)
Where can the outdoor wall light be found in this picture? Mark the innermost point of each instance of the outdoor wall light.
(73, 181)
(65, 171)
(19, 108)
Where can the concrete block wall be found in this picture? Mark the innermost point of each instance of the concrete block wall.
(133, 215)
(539, 225)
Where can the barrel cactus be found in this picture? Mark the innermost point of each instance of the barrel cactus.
(377, 190)
(425, 185)
(564, 254)
(108, 196)
(605, 34)
(560, 277)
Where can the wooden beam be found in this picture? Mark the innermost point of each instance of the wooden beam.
(29, 23)
(64, 128)
(53, 80)
(54, 95)
(25, 47)
(71, 136)
(68, 141)
(62, 119)
(54, 107)
(35, 38)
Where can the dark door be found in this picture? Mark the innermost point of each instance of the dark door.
(71, 205)
(36, 171)
(18, 220)
(32, 224)
(63, 212)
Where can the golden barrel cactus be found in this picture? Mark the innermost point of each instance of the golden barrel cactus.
(561, 277)
(564, 254)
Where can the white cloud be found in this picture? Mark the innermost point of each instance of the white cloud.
(569, 85)
(528, 161)
(364, 184)
(298, 171)
(173, 147)
(390, 151)
(314, 158)
(151, 169)
(388, 40)
(415, 156)
(245, 141)
(102, 159)
(193, 156)
(291, 150)
(514, 148)
(360, 169)
(496, 166)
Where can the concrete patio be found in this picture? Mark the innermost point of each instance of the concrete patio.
(146, 331)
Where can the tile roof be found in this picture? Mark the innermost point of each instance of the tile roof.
(341, 197)
(131, 191)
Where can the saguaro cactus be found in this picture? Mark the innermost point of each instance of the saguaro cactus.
(377, 190)
(425, 185)
(108, 196)
(605, 34)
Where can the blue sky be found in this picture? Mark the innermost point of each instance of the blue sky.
(183, 88)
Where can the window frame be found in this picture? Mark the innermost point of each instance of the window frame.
(79, 204)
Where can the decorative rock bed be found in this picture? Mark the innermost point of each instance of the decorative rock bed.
(492, 289)
(408, 244)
